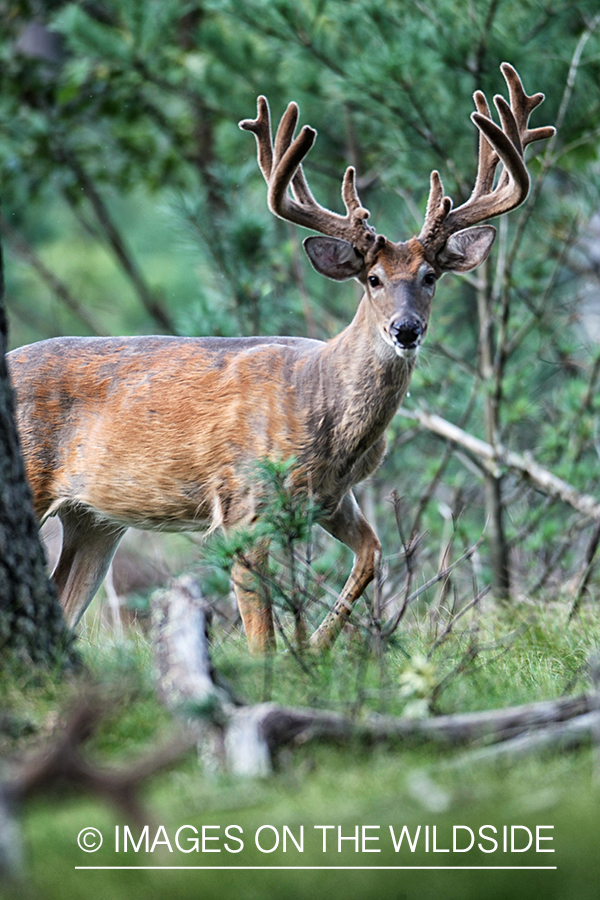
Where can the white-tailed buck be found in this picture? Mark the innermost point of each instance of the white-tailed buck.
(162, 432)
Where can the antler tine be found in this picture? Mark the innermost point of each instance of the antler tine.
(506, 144)
(488, 158)
(508, 122)
(268, 156)
(281, 166)
(522, 106)
(511, 190)
(285, 132)
(350, 195)
(354, 207)
(438, 207)
(261, 128)
(284, 170)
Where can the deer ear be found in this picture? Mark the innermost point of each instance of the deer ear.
(334, 257)
(466, 249)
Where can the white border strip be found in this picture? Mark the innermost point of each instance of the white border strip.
(329, 868)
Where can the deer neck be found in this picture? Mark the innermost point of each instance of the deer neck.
(357, 387)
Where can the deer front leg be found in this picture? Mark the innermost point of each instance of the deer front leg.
(350, 527)
(253, 600)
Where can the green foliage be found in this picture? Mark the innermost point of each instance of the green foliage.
(525, 653)
(284, 516)
(283, 527)
(288, 514)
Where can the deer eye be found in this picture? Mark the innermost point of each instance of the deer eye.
(429, 279)
(374, 281)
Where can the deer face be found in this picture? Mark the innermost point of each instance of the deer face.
(400, 281)
(400, 286)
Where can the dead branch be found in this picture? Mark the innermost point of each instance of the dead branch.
(394, 621)
(410, 550)
(27, 254)
(579, 731)
(116, 242)
(454, 619)
(494, 458)
(586, 569)
(61, 768)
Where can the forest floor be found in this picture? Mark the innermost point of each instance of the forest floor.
(264, 837)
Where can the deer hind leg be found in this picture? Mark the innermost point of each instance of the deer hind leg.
(88, 547)
(350, 527)
(254, 602)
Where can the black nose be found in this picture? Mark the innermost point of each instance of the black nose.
(406, 332)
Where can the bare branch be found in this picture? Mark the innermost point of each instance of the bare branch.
(570, 735)
(494, 458)
(117, 243)
(27, 254)
(393, 623)
(60, 768)
(449, 627)
(586, 569)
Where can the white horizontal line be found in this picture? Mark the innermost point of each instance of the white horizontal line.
(312, 868)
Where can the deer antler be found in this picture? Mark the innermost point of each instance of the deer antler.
(504, 144)
(281, 165)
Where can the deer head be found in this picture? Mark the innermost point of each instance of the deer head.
(400, 278)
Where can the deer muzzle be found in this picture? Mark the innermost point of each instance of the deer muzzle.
(406, 333)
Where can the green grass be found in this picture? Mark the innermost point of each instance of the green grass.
(530, 655)
(525, 653)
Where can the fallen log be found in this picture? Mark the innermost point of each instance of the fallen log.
(248, 737)
(580, 731)
(180, 643)
(281, 725)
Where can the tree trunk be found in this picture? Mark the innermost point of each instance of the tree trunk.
(31, 623)
(499, 551)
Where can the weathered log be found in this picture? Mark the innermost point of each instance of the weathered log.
(226, 731)
(580, 731)
(251, 735)
(282, 725)
(180, 622)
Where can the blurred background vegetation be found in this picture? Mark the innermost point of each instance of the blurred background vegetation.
(132, 203)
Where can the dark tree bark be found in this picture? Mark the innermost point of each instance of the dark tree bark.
(31, 624)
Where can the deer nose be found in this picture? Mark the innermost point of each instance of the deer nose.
(406, 333)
